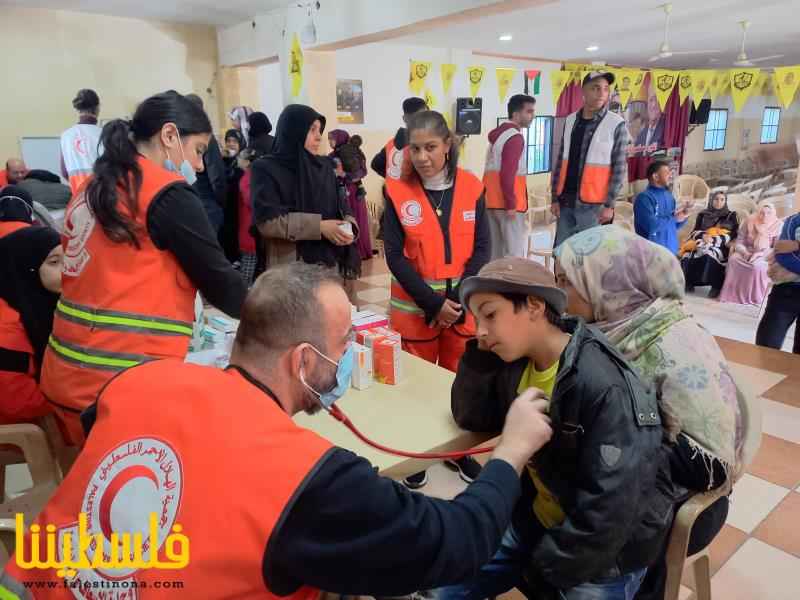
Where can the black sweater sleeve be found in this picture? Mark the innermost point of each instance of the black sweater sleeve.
(379, 163)
(178, 223)
(353, 532)
(414, 285)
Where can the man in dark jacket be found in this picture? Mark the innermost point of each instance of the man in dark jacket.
(596, 505)
(400, 140)
(46, 189)
(212, 183)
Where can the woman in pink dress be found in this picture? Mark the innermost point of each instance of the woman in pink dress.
(746, 279)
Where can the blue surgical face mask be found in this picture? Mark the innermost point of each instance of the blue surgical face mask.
(186, 170)
(344, 371)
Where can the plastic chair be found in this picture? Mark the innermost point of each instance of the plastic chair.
(546, 253)
(538, 204)
(691, 509)
(692, 187)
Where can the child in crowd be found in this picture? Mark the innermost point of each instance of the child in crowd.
(247, 240)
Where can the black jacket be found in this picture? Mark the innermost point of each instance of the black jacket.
(606, 463)
(211, 184)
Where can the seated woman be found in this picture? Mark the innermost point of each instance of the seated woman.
(632, 290)
(705, 254)
(30, 283)
(746, 279)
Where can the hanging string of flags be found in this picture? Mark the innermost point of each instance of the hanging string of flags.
(740, 84)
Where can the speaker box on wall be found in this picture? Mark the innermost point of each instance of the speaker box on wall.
(700, 116)
(468, 116)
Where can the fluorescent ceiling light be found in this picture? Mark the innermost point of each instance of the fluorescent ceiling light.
(592, 48)
(506, 37)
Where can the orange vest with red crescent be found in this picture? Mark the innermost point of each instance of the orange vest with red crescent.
(120, 305)
(394, 160)
(222, 478)
(425, 248)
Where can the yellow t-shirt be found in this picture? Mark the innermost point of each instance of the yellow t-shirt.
(545, 505)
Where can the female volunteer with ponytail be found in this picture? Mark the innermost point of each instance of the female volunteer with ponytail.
(435, 234)
(138, 246)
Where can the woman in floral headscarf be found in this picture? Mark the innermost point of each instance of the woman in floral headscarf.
(632, 290)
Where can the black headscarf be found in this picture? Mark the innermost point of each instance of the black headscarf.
(717, 217)
(314, 183)
(16, 204)
(237, 135)
(259, 124)
(21, 254)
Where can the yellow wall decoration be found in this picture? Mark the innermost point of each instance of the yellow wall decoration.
(625, 81)
(430, 99)
(296, 66)
(743, 82)
(701, 83)
(663, 81)
(448, 71)
(559, 80)
(718, 79)
(786, 81)
(475, 75)
(684, 85)
(504, 78)
(418, 73)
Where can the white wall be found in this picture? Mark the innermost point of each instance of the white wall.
(269, 84)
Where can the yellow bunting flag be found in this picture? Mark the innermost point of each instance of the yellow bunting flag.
(743, 83)
(448, 71)
(559, 80)
(764, 84)
(786, 80)
(475, 79)
(417, 74)
(296, 66)
(636, 84)
(684, 85)
(663, 82)
(504, 78)
(430, 99)
(626, 82)
(719, 81)
(701, 82)
(448, 117)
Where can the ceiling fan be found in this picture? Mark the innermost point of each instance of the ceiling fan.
(664, 50)
(742, 60)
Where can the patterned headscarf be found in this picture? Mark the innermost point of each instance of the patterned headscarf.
(239, 116)
(636, 288)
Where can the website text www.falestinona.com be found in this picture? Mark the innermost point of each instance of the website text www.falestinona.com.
(103, 585)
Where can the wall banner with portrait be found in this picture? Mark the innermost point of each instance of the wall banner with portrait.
(350, 101)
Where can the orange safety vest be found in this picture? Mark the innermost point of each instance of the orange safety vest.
(120, 306)
(394, 160)
(7, 227)
(205, 473)
(79, 149)
(596, 175)
(20, 397)
(491, 175)
(424, 247)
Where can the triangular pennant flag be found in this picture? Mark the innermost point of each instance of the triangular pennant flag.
(296, 66)
(637, 83)
(559, 80)
(663, 81)
(684, 85)
(625, 82)
(417, 74)
(448, 72)
(536, 77)
(430, 99)
(505, 76)
(764, 84)
(743, 83)
(701, 80)
(787, 79)
(719, 81)
(475, 75)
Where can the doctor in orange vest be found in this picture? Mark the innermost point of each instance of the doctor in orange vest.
(435, 235)
(232, 499)
(505, 178)
(137, 248)
(30, 281)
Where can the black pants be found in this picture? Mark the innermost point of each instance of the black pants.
(783, 309)
(689, 470)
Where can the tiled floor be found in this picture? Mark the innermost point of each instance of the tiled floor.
(757, 554)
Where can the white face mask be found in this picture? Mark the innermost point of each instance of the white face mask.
(186, 169)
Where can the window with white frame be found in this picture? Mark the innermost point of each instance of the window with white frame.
(716, 129)
(769, 125)
(538, 144)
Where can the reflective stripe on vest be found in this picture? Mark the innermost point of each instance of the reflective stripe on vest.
(121, 321)
(394, 160)
(79, 150)
(424, 247)
(495, 199)
(596, 175)
(98, 359)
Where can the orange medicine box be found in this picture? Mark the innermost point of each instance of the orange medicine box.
(368, 337)
(362, 367)
(386, 361)
(389, 334)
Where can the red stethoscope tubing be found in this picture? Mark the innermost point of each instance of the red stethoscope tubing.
(337, 414)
